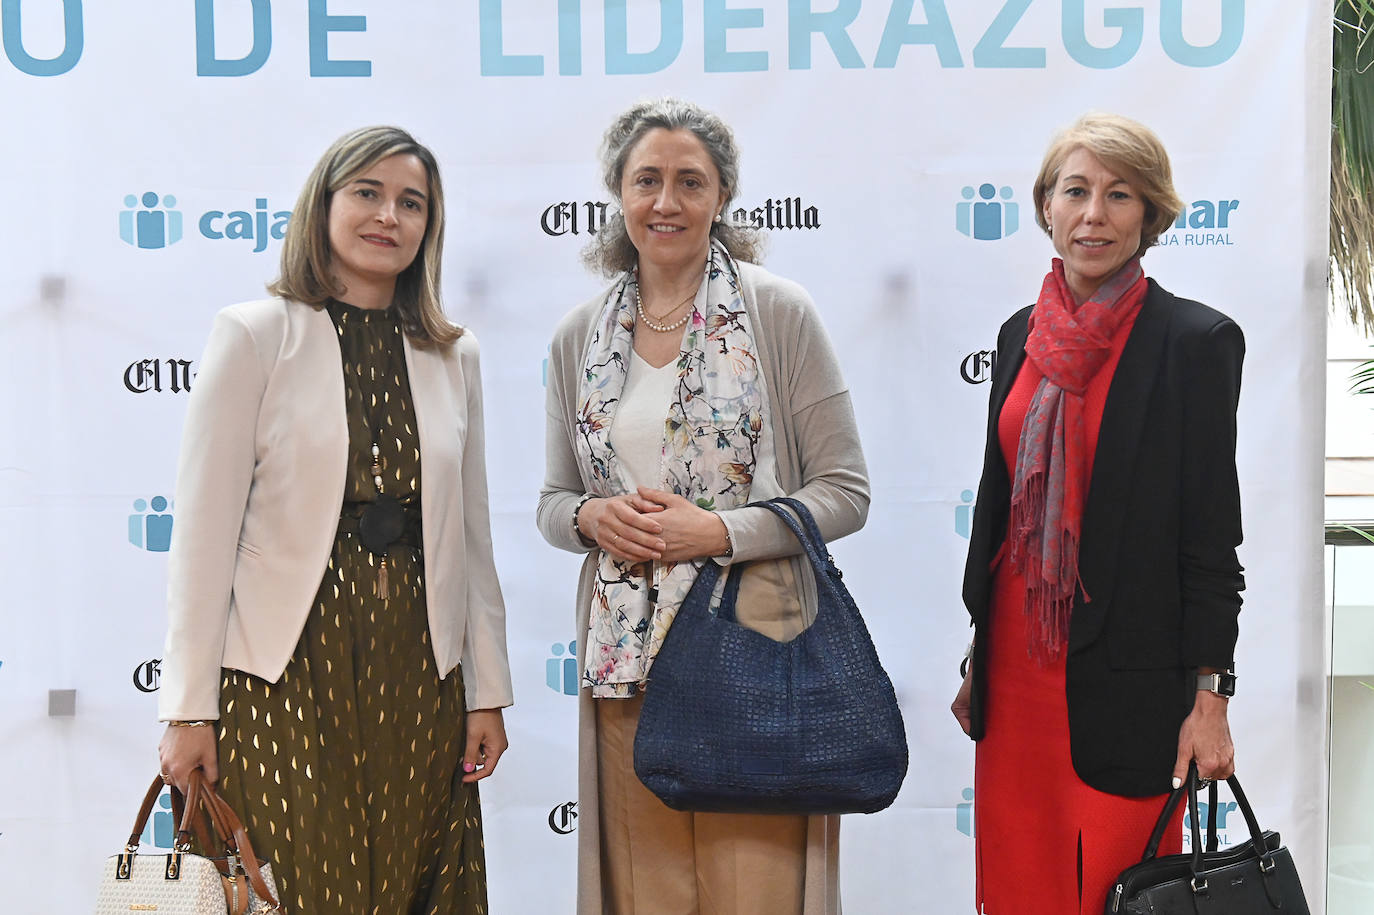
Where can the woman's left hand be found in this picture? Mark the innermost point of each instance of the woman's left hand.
(1206, 737)
(486, 743)
(689, 531)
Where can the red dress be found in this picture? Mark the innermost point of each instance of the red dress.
(1047, 844)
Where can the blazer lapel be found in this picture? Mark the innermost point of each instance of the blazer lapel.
(1009, 361)
(1123, 422)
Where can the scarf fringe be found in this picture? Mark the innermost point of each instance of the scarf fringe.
(1049, 603)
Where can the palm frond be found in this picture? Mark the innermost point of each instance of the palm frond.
(1352, 158)
(1362, 378)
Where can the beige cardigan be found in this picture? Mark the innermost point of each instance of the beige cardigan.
(260, 482)
(819, 461)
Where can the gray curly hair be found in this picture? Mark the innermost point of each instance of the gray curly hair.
(611, 252)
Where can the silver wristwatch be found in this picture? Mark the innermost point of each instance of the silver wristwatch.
(1223, 684)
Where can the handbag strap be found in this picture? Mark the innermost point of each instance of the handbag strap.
(1211, 816)
(821, 561)
(808, 533)
(1165, 815)
(230, 823)
(201, 800)
(230, 830)
(1189, 790)
(808, 520)
(730, 595)
(199, 822)
(189, 806)
(145, 810)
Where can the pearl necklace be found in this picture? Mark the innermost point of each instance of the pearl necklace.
(654, 325)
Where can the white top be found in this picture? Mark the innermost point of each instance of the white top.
(637, 432)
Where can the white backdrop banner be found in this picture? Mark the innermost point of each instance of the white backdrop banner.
(155, 150)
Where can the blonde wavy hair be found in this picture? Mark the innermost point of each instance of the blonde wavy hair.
(1128, 148)
(306, 255)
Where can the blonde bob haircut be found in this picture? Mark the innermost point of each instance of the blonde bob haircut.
(1128, 148)
(306, 275)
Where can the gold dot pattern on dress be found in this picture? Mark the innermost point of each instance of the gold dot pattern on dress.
(349, 768)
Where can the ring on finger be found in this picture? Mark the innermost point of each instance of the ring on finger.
(615, 538)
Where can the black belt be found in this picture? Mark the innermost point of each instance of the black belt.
(411, 534)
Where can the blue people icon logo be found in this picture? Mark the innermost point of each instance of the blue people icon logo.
(149, 221)
(560, 671)
(150, 526)
(981, 217)
(963, 813)
(963, 514)
(159, 831)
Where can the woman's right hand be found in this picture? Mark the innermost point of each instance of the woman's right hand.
(963, 702)
(183, 749)
(621, 526)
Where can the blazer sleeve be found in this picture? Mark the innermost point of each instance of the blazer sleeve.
(1210, 523)
(486, 664)
(214, 475)
(824, 438)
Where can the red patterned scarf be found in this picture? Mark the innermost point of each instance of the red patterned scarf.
(1069, 347)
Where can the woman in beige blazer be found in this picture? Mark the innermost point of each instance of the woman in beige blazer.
(695, 383)
(336, 653)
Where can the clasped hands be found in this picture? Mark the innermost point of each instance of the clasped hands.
(652, 524)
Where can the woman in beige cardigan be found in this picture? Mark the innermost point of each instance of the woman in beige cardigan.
(336, 654)
(696, 383)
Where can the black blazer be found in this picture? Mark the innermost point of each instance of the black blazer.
(1157, 554)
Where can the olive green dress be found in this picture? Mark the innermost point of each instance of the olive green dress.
(349, 768)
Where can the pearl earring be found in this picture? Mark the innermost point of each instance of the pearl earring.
(717, 219)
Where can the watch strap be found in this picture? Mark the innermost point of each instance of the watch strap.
(1223, 684)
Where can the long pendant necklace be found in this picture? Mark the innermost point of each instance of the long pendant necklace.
(383, 519)
(381, 523)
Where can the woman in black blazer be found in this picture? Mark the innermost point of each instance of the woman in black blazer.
(1102, 578)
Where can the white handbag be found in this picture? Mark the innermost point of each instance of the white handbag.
(182, 883)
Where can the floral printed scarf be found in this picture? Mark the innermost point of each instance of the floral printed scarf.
(710, 435)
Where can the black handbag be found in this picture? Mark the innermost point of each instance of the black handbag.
(735, 722)
(1255, 877)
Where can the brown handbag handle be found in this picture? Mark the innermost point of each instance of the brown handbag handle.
(199, 823)
(144, 811)
(189, 816)
(228, 826)
(184, 825)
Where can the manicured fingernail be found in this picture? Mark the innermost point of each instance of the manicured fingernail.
(1178, 782)
(469, 767)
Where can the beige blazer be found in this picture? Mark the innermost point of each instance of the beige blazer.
(260, 483)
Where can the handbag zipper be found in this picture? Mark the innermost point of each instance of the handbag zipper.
(1116, 896)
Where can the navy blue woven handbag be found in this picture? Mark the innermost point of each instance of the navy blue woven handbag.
(735, 722)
